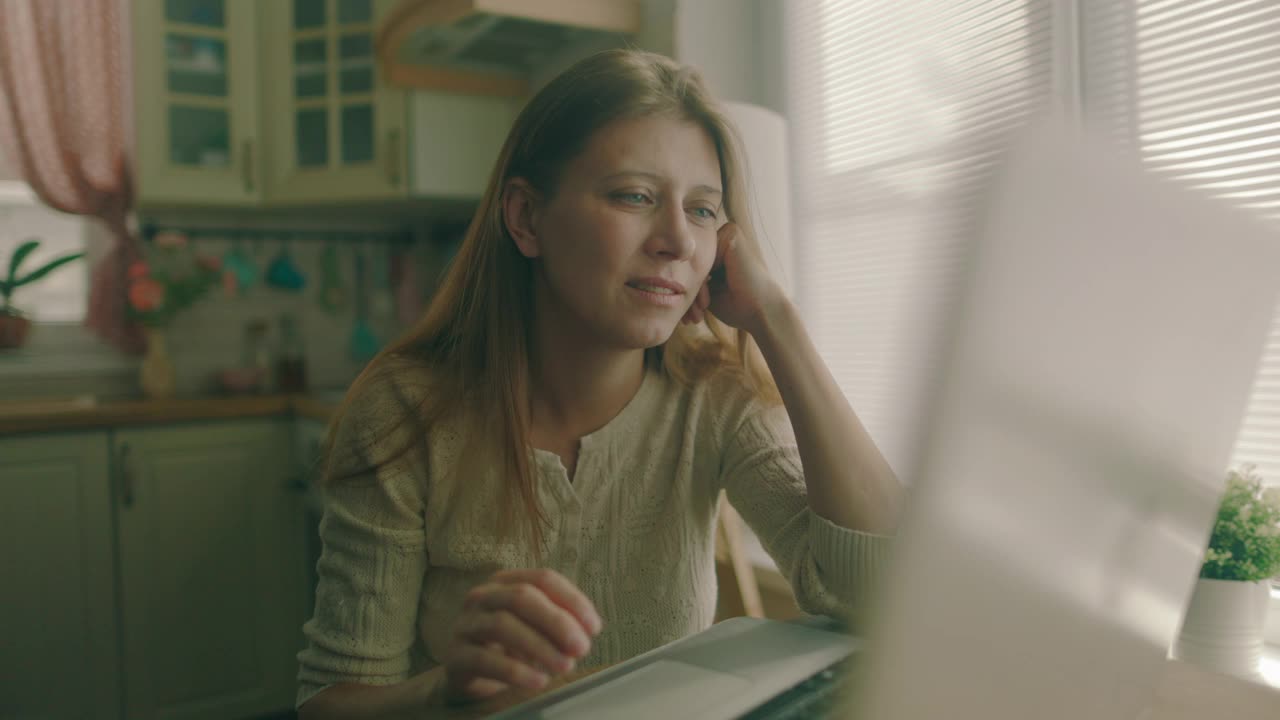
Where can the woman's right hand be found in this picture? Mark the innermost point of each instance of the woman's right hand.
(519, 628)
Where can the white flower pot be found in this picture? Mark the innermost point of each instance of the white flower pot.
(1222, 630)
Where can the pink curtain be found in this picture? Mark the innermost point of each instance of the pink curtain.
(66, 121)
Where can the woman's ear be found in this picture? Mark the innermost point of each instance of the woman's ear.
(519, 205)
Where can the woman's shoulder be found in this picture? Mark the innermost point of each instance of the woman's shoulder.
(385, 397)
(723, 397)
(389, 385)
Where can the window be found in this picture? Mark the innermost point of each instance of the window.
(60, 297)
(893, 106)
(1194, 87)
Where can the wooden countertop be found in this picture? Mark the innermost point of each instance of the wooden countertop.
(88, 413)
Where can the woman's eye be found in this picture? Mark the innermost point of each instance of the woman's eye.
(704, 213)
(633, 198)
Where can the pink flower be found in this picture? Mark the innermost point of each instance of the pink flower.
(146, 295)
(170, 239)
(138, 270)
(230, 285)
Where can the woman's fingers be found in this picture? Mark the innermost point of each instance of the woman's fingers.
(519, 629)
(515, 636)
(533, 607)
(560, 591)
(489, 662)
(698, 310)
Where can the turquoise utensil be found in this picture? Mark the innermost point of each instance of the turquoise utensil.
(283, 273)
(364, 344)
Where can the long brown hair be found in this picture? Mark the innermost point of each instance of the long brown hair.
(473, 341)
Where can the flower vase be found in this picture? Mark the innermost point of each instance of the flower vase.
(156, 373)
(1222, 630)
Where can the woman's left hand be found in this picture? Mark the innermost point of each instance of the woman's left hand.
(740, 289)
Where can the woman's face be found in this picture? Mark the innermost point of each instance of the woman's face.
(629, 236)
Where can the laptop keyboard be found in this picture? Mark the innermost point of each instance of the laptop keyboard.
(814, 697)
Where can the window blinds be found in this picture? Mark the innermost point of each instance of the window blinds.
(1193, 86)
(895, 109)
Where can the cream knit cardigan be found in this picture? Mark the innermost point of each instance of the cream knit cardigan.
(634, 530)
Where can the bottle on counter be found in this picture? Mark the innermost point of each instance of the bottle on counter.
(291, 360)
(257, 353)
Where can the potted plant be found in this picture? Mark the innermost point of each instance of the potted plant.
(1223, 626)
(14, 325)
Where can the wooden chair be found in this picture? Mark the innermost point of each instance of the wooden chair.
(739, 588)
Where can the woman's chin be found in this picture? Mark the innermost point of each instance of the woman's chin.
(649, 335)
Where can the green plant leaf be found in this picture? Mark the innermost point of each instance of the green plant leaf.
(48, 268)
(18, 256)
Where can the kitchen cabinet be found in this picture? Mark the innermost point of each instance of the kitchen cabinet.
(59, 620)
(196, 101)
(212, 576)
(335, 130)
(244, 103)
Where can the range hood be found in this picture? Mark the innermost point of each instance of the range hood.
(491, 47)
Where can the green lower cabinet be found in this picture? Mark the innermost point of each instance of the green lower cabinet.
(152, 573)
(58, 641)
(212, 570)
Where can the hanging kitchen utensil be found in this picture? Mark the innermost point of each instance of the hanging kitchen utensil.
(364, 344)
(408, 290)
(283, 273)
(239, 271)
(333, 297)
(382, 303)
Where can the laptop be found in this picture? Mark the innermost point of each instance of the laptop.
(1094, 379)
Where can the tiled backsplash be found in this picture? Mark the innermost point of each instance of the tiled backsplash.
(210, 335)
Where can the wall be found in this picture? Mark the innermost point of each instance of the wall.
(736, 44)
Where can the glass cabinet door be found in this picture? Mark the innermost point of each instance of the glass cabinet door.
(197, 99)
(334, 84)
(336, 129)
(196, 88)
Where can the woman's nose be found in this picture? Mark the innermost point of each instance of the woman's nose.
(671, 236)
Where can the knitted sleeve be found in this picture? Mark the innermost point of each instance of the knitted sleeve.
(833, 570)
(373, 560)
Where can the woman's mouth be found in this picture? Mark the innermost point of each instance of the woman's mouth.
(653, 288)
(657, 291)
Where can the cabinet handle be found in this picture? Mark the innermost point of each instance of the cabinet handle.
(394, 160)
(246, 162)
(126, 476)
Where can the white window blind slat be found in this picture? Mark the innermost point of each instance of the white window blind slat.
(1198, 97)
(896, 109)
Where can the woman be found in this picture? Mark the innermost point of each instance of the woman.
(528, 480)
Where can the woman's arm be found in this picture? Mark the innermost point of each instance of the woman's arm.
(405, 700)
(848, 480)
